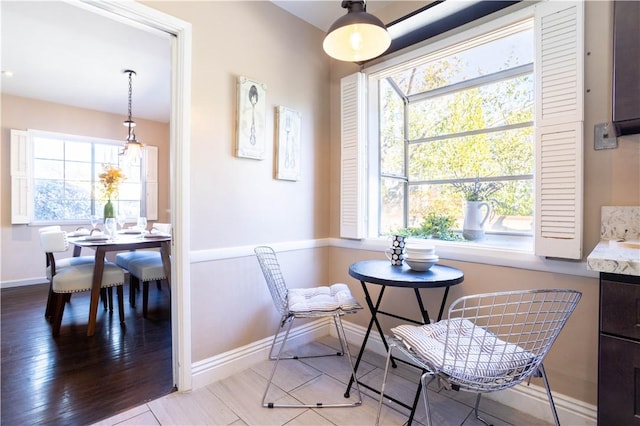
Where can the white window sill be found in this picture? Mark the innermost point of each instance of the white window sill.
(481, 253)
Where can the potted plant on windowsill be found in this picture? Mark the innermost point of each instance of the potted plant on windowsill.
(477, 195)
(433, 226)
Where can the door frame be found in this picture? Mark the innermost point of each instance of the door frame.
(141, 16)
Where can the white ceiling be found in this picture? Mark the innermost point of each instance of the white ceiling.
(62, 53)
(66, 54)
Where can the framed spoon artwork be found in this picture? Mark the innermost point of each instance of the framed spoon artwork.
(251, 118)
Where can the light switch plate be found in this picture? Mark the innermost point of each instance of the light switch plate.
(605, 136)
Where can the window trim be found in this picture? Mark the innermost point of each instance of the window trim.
(389, 65)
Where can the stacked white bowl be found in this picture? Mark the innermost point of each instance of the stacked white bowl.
(420, 256)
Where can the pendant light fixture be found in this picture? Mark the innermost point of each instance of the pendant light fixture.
(357, 36)
(132, 147)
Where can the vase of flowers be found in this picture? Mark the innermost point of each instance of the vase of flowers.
(476, 195)
(110, 179)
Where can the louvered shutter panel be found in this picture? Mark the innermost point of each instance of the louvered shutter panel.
(353, 156)
(151, 181)
(20, 169)
(559, 129)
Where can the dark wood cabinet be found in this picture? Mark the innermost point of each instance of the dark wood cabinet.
(626, 67)
(619, 350)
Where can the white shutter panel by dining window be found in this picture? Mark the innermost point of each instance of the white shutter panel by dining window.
(353, 156)
(559, 65)
(151, 181)
(20, 182)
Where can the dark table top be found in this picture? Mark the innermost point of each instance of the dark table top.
(381, 272)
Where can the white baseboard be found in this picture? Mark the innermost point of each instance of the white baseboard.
(23, 282)
(528, 399)
(228, 363)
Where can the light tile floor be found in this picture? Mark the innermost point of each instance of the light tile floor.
(237, 400)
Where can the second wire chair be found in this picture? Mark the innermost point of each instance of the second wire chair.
(334, 301)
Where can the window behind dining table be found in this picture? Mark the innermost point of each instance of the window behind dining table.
(65, 183)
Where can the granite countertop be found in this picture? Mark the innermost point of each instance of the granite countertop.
(615, 257)
(618, 251)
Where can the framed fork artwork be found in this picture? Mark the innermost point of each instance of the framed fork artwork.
(288, 123)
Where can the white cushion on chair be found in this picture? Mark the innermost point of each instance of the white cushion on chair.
(123, 259)
(147, 269)
(70, 261)
(459, 348)
(322, 299)
(79, 278)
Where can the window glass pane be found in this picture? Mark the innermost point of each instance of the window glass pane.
(132, 172)
(78, 171)
(131, 209)
(53, 201)
(391, 205)
(436, 199)
(77, 190)
(48, 169)
(129, 191)
(77, 151)
(497, 104)
(511, 205)
(510, 51)
(106, 154)
(473, 156)
(391, 131)
(48, 148)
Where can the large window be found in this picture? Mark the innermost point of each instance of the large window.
(66, 183)
(56, 178)
(492, 113)
(454, 124)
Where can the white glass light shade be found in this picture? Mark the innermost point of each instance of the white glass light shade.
(133, 152)
(356, 36)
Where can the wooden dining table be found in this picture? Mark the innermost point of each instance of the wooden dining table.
(121, 242)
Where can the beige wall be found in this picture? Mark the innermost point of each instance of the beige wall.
(19, 242)
(237, 201)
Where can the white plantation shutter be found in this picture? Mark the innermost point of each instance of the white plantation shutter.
(20, 182)
(353, 156)
(559, 29)
(151, 181)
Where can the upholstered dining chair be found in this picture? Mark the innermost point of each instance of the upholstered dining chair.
(488, 343)
(146, 268)
(317, 302)
(74, 278)
(61, 263)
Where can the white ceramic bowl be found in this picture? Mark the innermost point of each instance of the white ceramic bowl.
(420, 264)
(419, 254)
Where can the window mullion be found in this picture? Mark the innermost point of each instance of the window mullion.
(406, 160)
(470, 180)
(473, 82)
(473, 132)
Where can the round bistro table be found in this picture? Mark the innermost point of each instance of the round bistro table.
(381, 272)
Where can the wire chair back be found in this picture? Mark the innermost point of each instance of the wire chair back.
(494, 341)
(274, 278)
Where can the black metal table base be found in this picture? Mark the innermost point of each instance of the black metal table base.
(375, 310)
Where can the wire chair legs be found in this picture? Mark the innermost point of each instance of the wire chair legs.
(423, 388)
(428, 374)
(344, 349)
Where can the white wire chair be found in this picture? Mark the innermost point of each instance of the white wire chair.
(489, 342)
(334, 301)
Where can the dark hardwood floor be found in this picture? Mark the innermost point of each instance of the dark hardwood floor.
(74, 379)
